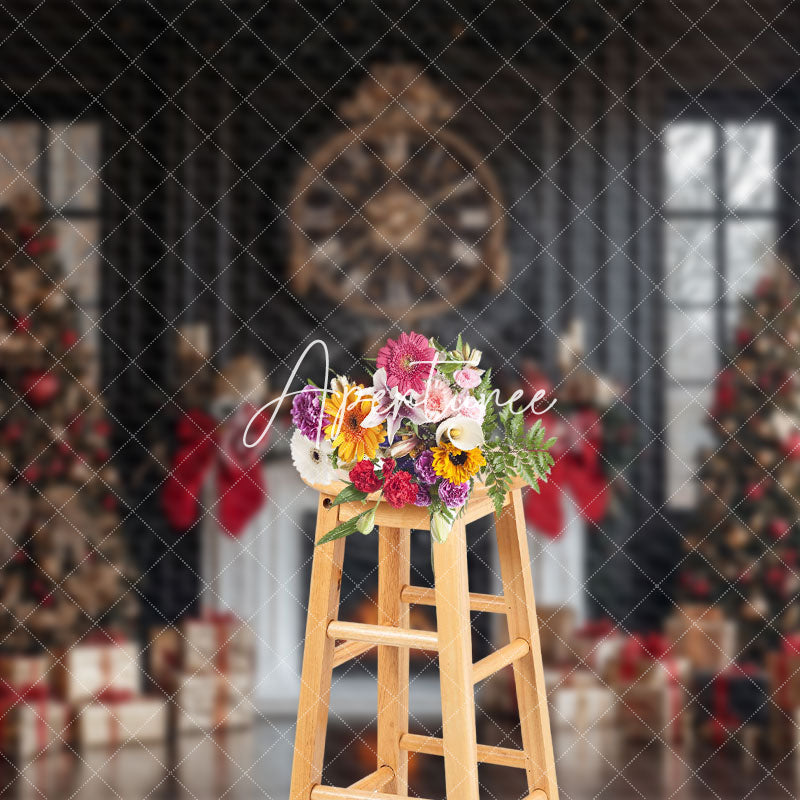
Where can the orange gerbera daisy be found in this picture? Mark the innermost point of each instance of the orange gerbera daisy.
(347, 410)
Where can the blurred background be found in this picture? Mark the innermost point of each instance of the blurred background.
(601, 196)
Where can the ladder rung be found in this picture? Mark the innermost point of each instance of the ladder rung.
(487, 754)
(502, 657)
(383, 635)
(334, 793)
(347, 651)
(419, 595)
(375, 781)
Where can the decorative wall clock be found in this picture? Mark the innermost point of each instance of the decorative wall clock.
(397, 215)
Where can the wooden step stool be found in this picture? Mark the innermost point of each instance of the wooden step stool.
(453, 641)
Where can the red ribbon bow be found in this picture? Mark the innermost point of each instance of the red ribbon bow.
(638, 651)
(578, 471)
(204, 444)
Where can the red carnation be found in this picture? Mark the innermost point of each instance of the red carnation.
(399, 489)
(364, 478)
(388, 467)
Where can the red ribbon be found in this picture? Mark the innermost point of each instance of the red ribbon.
(784, 677)
(578, 471)
(203, 445)
(36, 247)
(638, 651)
(37, 695)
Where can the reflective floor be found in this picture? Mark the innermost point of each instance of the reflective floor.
(257, 763)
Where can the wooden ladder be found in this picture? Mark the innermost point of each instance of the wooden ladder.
(329, 643)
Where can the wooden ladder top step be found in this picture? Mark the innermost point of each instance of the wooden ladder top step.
(383, 635)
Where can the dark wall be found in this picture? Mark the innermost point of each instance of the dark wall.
(210, 108)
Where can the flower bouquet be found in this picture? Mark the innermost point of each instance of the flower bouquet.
(428, 429)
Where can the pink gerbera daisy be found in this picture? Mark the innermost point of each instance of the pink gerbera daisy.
(408, 362)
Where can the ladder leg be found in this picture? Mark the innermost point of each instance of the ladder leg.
(512, 543)
(455, 666)
(315, 682)
(394, 572)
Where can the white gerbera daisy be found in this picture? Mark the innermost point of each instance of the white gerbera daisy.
(312, 462)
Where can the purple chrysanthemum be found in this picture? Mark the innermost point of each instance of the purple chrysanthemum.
(423, 496)
(306, 412)
(453, 495)
(423, 466)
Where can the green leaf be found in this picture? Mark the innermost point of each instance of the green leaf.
(345, 529)
(348, 495)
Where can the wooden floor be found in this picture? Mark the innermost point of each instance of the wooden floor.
(257, 763)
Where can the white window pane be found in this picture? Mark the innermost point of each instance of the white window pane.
(686, 434)
(689, 174)
(77, 240)
(691, 354)
(691, 275)
(74, 159)
(20, 151)
(747, 249)
(749, 165)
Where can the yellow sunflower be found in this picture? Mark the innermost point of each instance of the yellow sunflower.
(346, 410)
(457, 466)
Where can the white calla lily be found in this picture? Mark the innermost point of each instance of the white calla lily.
(462, 432)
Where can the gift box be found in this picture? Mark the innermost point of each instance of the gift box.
(597, 646)
(651, 684)
(18, 671)
(31, 720)
(580, 702)
(164, 658)
(556, 628)
(211, 700)
(783, 669)
(117, 718)
(702, 635)
(730, 702)
(219, 641)
(95, 666)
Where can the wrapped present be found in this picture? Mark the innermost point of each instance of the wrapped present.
(30, 721)
(556, 627)
(96, 665)
(212, 700)
(580, 702)
(702, 635)
(164, 658)
(219, 641)
(119, 717)
(651, 684)
(783, 669)
(730, 702)
(597, 645)
(18, 671)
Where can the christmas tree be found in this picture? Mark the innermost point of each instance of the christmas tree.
(63, 566)
(744, 538)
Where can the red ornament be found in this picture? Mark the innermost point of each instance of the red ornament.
(791, 446)
(68, 339)
(13, 432)
(32, 473)
(22, 323)
(778, 528)
(40, 387)
(755, 491)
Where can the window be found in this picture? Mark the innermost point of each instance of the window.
(57, 163)
(720, 229)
